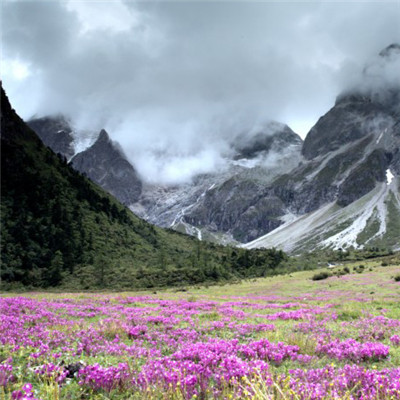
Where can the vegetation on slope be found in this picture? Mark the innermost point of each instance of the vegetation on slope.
(60, 229)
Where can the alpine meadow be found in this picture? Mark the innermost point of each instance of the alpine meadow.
(200, 200)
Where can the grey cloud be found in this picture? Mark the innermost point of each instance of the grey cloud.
(184, 78)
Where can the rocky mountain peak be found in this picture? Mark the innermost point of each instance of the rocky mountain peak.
(103, 137)
(105, 164)
(275, 137)
(393, 49)
(359, 111)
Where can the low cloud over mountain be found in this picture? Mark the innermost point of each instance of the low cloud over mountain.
(174, 82)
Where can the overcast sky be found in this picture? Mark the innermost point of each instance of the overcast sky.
(181, 78)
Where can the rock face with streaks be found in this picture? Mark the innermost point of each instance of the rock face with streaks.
(232, 204)
(105, 164)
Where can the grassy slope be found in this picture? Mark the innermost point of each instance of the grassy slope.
(375, 283)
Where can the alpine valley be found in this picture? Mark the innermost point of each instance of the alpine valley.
(339, 188)
(59, 229)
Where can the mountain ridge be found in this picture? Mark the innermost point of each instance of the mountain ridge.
(272, 178)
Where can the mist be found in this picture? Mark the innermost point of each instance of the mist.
(176, 82)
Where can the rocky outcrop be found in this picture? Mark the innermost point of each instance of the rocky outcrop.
(105, 164)
(345, 123)
(363, 179)
(243, 205)
(237, 206)
(276, 138)
(56, 133)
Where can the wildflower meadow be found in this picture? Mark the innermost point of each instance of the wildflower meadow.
(274, 338)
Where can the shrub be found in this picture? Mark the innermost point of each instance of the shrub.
(359, 269)
(321, 275)
(397, 278)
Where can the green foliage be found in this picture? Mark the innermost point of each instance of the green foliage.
(58, 229)
(342, 272)
(321, 275)
(359, 269)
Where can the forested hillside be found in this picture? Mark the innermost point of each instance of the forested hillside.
(60, 229)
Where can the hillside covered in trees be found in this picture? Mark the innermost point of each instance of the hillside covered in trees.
(60, 229)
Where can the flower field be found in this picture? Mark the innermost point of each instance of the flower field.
(276, 338)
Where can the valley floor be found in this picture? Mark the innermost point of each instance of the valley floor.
(285, 337)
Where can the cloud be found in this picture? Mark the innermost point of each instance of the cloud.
(174, 82)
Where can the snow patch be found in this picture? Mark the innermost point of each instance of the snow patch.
(246, 163)
(289, 217)
(380, 136)
(179, 217)
(348, 236)
(83, 139)
(288, 234)
(199, 234)
(316, 229)
(389, 176)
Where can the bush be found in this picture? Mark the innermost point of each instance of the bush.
(359, 269)
(397, 278)
(384, 264)
(321, 275)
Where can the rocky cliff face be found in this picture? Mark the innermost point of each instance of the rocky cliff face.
(105, 164)
(94, 155)
(351, 157)
(347, 153)
(352, 118)
(232, 204)
(56, 133)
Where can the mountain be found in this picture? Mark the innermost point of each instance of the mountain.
(94, 155)
(229, 205)
(346, 191)
(342, 182)
(55, 133)
(60, 229)
(105, 164)
(58, 133)
(275, 138)
(207, 207)
(347, 170)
